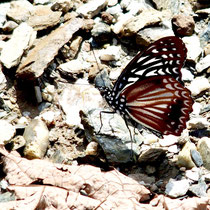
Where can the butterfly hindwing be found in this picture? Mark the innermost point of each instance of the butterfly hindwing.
(160, 103)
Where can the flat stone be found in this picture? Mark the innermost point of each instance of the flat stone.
(43, 17)
(177, 188)
(204, 149)
(91, 8)
(22, 38)
(46, 49)
(7, 131)
(203, 64)
(144, 19)
(20, 11)
(198, 85)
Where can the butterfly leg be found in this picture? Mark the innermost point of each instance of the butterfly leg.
(107, 112)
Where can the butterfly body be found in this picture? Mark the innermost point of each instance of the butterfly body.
(150, 91)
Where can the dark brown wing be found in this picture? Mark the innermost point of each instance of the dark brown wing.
(160, 103)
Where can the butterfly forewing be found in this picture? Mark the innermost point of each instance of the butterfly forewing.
(160, 103)
(166, 56)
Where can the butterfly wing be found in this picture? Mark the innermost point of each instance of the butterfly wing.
(159, 103)
(166, 56)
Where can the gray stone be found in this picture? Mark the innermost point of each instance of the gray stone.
(198, 123)
(112, 134)
(176, 189)
(199, 189)
(196, 157)
(204, 150)
(22, 38)
(203, 64)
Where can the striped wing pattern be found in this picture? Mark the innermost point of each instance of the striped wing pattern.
(160, 103)
(166, 56)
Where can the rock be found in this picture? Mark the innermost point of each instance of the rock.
(172, 5)
(143, 179)
(193, 47)
(111, 53)
(9, 26)
(22, 38)
(193, 175)
(148, 35)
(207, 49)
(112, 134)
(183, 25)
(115, 11)
(107, 17)
(144, 19)
(36, 135)
(43, 17)
(49, 117)
(198, 123)
(168, 140)
(18, 142)
(92, 8)
(203, 64)
(150, 139)
(78, 97)
(196, 157)
(111, 3)
(173, 149)
(204, 150)
(4, 7)
(46, 49)
(3, 81)
(197, 108)
(198, 85)
(187, 75)
(176, 189)
(101, 32)
(7, 131)
(92, 148)
(199, 189)
(75, 46)
(184, 156)
(20, 11)
(74, 68)
(151, 155)
(62, 6)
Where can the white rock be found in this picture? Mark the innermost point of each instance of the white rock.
(187, 75)
(116, 11)
(112, 2)
(193, 175)
(92, 148)
(7, 131)
(74, 66)
(150, 139)
(22, 38)
(3, 81)
(193, 47)
(198, 123)
(173, 149)
(91, 8)
(203, 64)
(168, 140)
(198, 85)
(4, 7)
(78, 97)
(49, 116)
(23, 121)
(111, 53)
(196, 108)
(177, 188)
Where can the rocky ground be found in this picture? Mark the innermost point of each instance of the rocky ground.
(57, 152)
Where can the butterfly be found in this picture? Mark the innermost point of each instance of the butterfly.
(150, 92)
